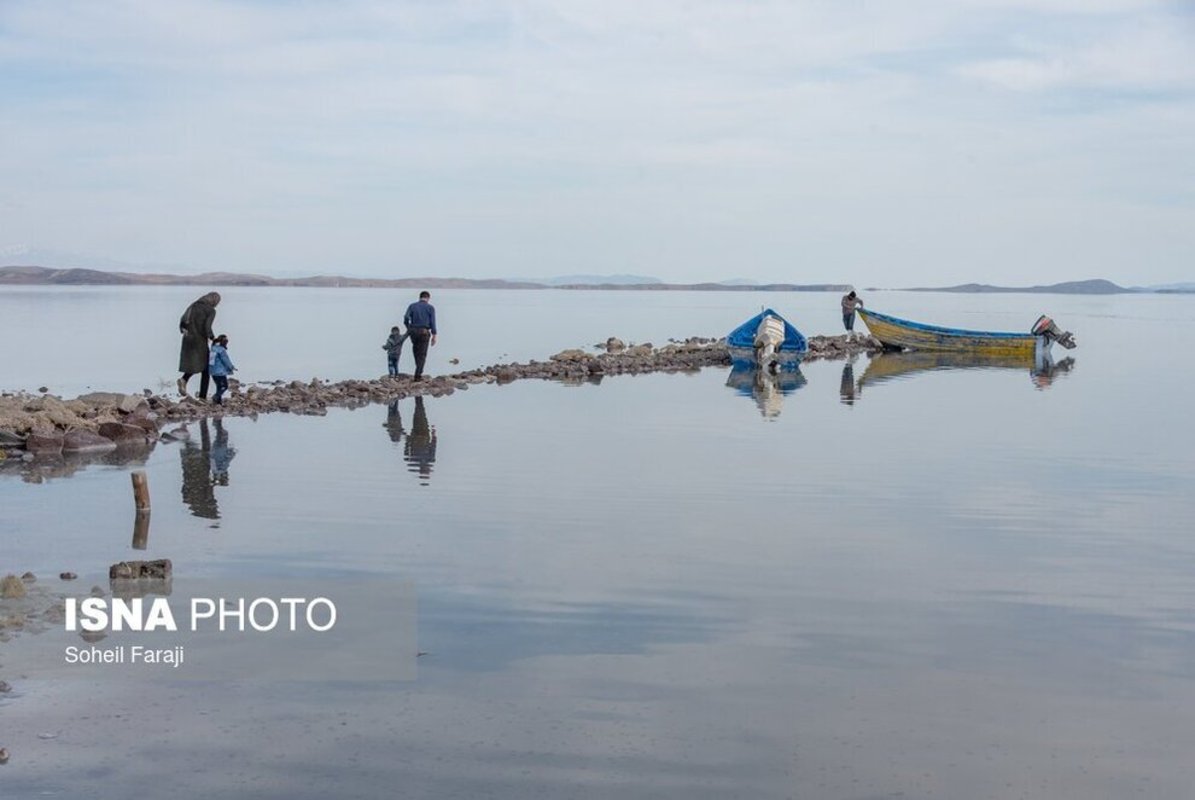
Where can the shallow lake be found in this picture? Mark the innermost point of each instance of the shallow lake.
(897, 578)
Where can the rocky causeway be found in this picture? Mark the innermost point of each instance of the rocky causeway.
(102, 424)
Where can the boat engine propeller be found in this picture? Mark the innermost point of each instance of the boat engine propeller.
(1046, 327)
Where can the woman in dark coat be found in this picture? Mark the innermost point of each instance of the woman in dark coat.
(196, 328)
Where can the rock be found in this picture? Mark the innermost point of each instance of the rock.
(84, 441)
(3, 755)
(5, 687)
(130, 403)
(614, 345)
(101, 399)
(122, 434)
(571, 355)
(43, 389)
(12, 587)
(133, 570)
(29, 577)
(98, 592)
(147, 424)
(640, 350)
(179, 434)
(11, 441)
(44, 441)
(67, 576)
(454, 361)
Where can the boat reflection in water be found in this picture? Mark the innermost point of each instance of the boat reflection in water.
(1041, 367)
(768, 388)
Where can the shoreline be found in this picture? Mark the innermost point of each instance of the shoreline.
(41, 426)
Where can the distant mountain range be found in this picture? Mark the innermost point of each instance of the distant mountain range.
(591, 280)
(1095, 286)
(29, 276)
(78, 276)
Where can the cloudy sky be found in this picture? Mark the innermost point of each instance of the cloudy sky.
(865, 141)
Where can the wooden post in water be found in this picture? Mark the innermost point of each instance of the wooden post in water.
(140, 490)
(141, 500)
(141, 530)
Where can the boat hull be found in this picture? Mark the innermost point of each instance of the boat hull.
(900, 334)
(788, 355)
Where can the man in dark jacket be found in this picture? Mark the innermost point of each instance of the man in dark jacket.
(420, 320)
(196, 328)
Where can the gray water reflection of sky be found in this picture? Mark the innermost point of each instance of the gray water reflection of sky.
(952, 588)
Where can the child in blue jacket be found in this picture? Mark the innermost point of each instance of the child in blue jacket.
(393, 348)
(220, 366)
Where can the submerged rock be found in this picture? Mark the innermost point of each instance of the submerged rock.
(122, 434)
(85, 441)
(126, 570)
(44, 441)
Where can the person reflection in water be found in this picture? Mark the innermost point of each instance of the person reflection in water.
(420, 448)
(393, 423)
(205, 466)
(222, 454)
(847, 391)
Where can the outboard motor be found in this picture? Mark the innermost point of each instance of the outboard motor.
(1046, 327)
(768, 338)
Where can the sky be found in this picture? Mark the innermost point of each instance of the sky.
(869, 142)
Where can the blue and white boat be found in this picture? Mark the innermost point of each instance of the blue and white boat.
(766, 340)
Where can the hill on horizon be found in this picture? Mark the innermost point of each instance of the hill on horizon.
(43, 276)
(1090, 286)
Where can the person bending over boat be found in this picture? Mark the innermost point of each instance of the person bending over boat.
(850, 302)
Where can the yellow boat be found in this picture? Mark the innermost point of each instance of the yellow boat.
(901, 334)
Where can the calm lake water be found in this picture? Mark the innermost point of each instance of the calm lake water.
(905, 580)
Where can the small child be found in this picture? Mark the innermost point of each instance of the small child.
(220, 366)
(393, 348)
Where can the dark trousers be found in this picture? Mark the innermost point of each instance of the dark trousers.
(221, 387)
(203, 382)
(848, 321)
(420, 338)
(392, 364)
